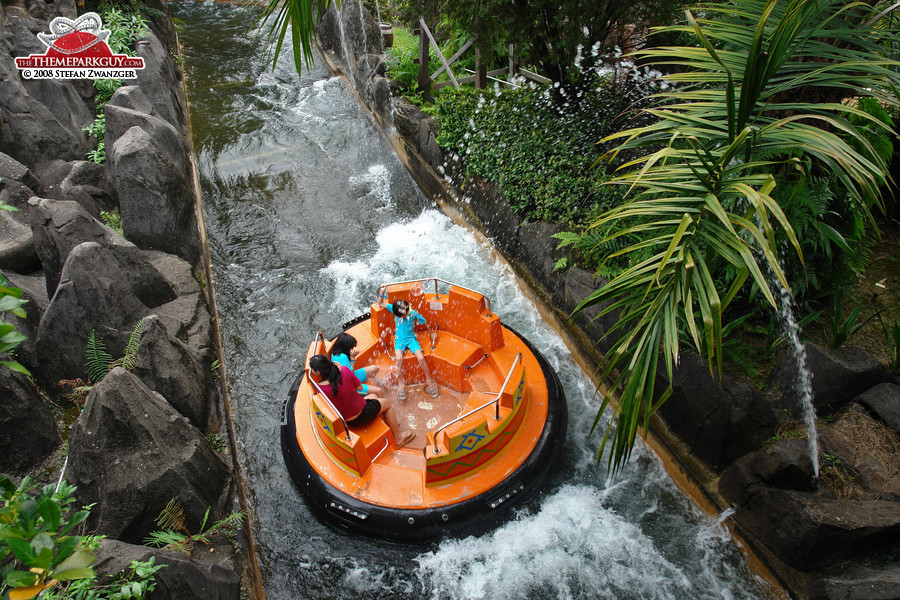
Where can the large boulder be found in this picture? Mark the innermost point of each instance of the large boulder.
(160, 81)
(838, 376)
(187, 317)
(80, 181)
(61, 225)
(884, 401)
(17, 244)
(131, 453)
(166, 365)
(182, 577)
(156, 196)
(38, 118)
(93, 294)
(784, 464)
(809, 532)
(27, 430)
(120, 119)
(718, 421)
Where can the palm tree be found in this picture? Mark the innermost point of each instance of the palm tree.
(736, 121)
(300, 18)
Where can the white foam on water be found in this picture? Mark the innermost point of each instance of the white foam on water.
(573, 544)
(589, 538)
(373, 187)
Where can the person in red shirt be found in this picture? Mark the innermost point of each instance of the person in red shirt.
(356, 410)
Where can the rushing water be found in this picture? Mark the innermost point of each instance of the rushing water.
(308, 211)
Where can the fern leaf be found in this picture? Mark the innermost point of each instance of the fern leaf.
(172, 516)
(134, 342)
(97, 359)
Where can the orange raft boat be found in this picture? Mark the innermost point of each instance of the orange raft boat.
(482, 446)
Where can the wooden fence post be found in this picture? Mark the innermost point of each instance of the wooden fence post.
(424, 79)
(480, 71)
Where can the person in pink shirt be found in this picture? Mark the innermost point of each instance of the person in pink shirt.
(342, 388)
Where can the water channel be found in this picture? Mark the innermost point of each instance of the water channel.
(308, 210)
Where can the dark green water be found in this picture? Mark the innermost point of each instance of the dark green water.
(308, 211)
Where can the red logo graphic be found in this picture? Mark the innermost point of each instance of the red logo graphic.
(78, 50)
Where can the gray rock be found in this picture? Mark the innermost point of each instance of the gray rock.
(93, 294)
(182, 578)
(120, 119)
(718, 421)
(13, 170)
(17, 251)
(60, 226)
(811, 532)
(877, 582)
(884, 401)
(187, 317)
(29, 130)
(130, 452)
(80, 181)
(160, 81)
(27, 430)
(838, 376)
(156, 196)
(169, 367)
(784, 464)
(131, 97)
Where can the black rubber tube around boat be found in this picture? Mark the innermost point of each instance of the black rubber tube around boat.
(475, 515)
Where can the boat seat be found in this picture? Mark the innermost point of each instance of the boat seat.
(449, 359)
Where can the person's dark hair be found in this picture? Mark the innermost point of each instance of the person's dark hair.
(343, 344)
(329, 371)
(399, 305)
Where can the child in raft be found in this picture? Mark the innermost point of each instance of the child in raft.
(342, 388)
(405, 320)
(343, 353)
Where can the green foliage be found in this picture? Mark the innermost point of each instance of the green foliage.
(175, 535)
(135, 584)
(537, 144)
(36, 545)
(10, 302)
(841, 328)
(97, 359)
(217, 442)
(113, 220)
(97, 130)
(99, 362)
(126, 24)
(756, 104)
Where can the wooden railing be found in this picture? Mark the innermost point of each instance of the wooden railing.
(480, 76)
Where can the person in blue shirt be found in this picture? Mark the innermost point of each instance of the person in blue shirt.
(405, 319)
(343, 353)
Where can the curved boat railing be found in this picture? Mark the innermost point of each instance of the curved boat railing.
(495, 402)
(436, 280)
(321, 336)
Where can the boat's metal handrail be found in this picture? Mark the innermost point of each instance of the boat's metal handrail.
(495, 401)
(435, 280)
(325, 396)
(380, 452)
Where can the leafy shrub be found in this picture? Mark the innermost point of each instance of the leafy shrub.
(538, 143)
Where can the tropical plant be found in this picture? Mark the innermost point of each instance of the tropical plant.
(756, 103)
(135, 583)
(10, 302)
(99, 362)
(37, 545)
(175, 534)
